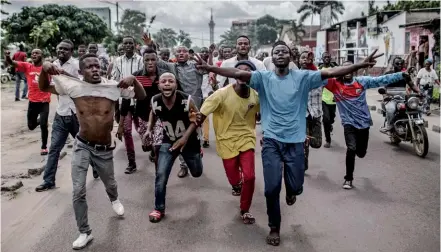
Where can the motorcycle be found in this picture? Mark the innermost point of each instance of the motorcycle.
(408, 123)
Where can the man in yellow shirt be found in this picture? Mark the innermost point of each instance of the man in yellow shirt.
(234, 109)
(328, 104)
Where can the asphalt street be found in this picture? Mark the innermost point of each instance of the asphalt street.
(393, 207)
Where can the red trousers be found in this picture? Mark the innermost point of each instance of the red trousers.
(240, 168)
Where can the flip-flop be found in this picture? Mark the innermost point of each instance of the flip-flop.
(156, 216)
(273, 239)
(248, 218)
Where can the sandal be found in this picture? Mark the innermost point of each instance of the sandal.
(248, 218)
(236, 190)
(290, 200)
(273, 238)
(156, 216)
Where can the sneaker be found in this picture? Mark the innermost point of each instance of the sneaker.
(118, 207)
(43, 152)
(206, 144)
(236, 190)
(347, 185)
(327, 145)
(183, 172)
(82, 241)
(24, 97)
(131, 168)
(44, 187)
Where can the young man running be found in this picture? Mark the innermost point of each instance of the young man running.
(313, 111)
(94, 100)
(38, 108)
(350, 95)
(234, 109)
(328, 104)
(173, 108)
(283, 96)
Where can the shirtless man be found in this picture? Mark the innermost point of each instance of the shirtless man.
(95, 103)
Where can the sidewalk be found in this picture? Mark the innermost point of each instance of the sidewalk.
(374, 100)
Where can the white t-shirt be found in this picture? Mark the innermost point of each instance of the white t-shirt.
(269, 65)
(427, 77)
(231, 63)
(75, 88)
(206, 87)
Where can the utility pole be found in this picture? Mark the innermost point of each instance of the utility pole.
(117, 17)
(202, 38)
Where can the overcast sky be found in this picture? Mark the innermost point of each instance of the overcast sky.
(193, 16)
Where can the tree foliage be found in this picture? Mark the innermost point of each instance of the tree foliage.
(3, 2)
(229, 37)
(132, 23)
(408, 5)
(75, 24)
(183, 38)
(166, 38)
(312, 8)
(44, 32)
(266, 34)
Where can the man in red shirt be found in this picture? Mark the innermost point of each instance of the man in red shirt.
(20, 56)
(38, 100)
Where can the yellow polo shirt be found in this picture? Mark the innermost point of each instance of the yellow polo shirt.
(234, 120)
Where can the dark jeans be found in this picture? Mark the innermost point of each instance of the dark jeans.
(314, 130)
(328, 119)
(18, 77)
(61, 128)
(166, 159)
(41, 109)
(274, 154)
(357, 144)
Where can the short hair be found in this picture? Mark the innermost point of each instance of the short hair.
(280, 42)
(82, 46)
(85, 56)
(204, 47)
(167, 74)
(325, 53)
(130, 37)
(93, 43)
(397, 58)
(164, 50)
(243, 36)
(21, 46)
(68, 41)
(149, 50)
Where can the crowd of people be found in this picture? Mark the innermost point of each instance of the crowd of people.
(168, 102)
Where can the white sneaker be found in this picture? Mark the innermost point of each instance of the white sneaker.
(118, 207)
(82, 241)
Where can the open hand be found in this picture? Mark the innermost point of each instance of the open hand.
(200, 63)
(147, 38)
(7, 53)
(370, 61)
(212, 48)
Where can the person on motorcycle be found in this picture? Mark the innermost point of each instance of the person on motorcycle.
(399, 86)
(426, 78)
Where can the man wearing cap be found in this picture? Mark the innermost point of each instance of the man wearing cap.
(234, 109)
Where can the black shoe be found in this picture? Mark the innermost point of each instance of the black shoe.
(183, 172)
(131, 169)
(24, 97)
(236, 190)
(206, 144)
(44, 187)
(347, 185)
(95, 174)
(17, 99)
(152, 157)
(327, 145)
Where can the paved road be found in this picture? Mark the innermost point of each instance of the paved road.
(393, 207)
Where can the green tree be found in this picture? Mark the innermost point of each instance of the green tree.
(111, 43)
(372, 8)
(229, 37)
(266, 34)
(267, 20)
(3, 2)
(313, 8)
(166, 37)
(183, 38)
(132, 23)
(44, 32)
(75, 24)
(408, 5)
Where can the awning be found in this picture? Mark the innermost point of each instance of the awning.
(420, 24)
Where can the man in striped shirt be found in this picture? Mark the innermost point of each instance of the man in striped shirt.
(125, 66)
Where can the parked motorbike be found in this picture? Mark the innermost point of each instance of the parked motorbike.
(408, 123)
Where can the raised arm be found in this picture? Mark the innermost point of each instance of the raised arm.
(44, 83)
(138, 89)
(228, 72)
(8, 59)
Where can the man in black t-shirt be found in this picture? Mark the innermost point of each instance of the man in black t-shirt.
(174, 108)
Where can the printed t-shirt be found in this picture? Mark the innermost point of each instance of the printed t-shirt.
(234, 120)
(32, 74)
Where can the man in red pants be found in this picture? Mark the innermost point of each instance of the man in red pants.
(234, 109)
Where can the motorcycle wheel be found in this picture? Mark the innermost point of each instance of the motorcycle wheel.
(4, 79)
(421, 145)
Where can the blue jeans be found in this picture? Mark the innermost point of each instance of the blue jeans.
(278, 156)
(61, 128)
(18, 77)
(166, 159)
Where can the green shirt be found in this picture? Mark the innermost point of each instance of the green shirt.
(327, 96)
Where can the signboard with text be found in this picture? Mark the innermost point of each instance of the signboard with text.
(372, 26)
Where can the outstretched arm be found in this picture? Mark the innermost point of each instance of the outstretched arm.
(44, 79)
(8, 59)
(230, 72)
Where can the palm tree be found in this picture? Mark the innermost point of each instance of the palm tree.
(166, 37)
(184, 39)
(298, 31)
(312, 8)
(229, 37)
